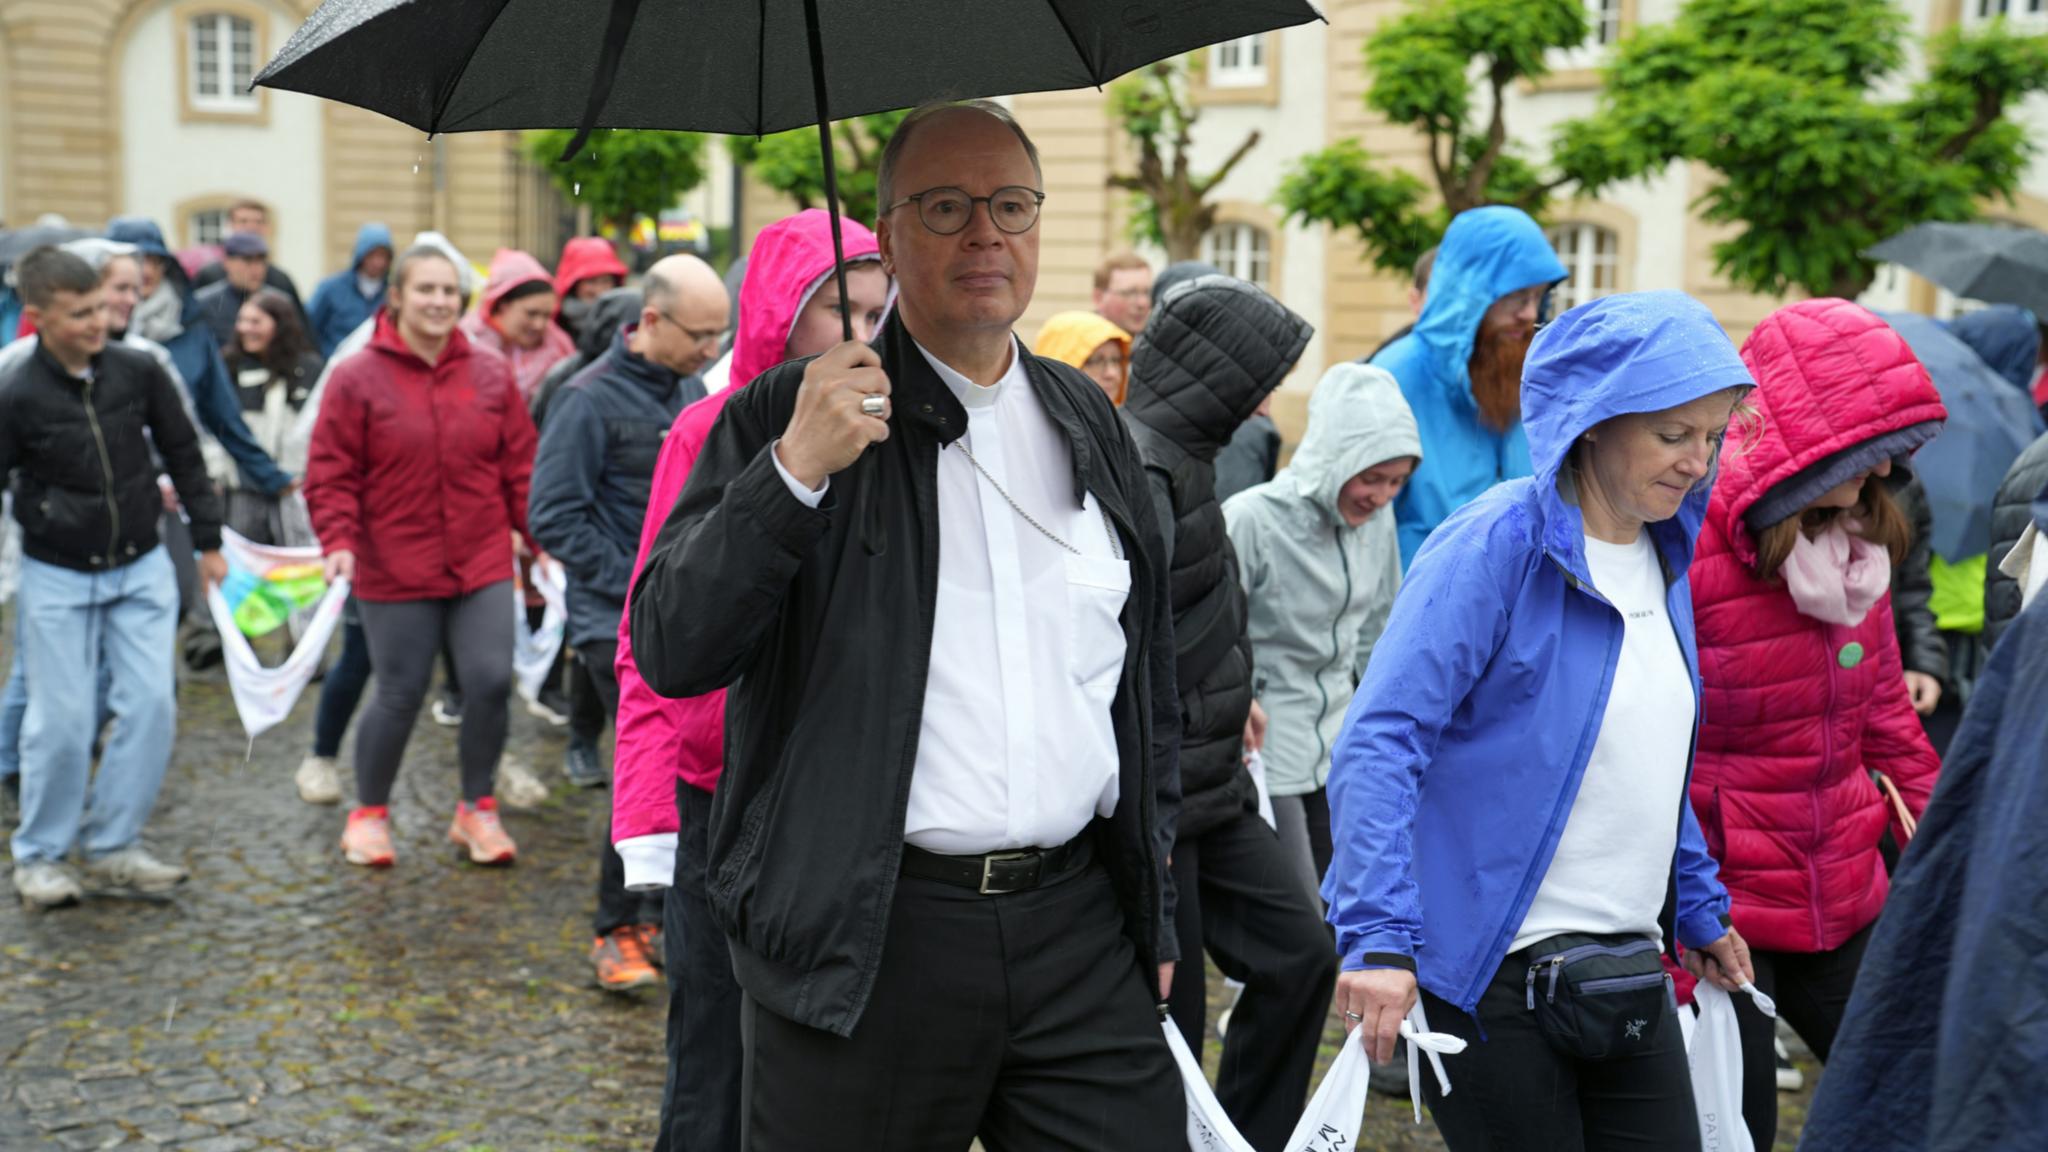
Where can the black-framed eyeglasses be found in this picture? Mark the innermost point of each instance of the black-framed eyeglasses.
(946, 211)
(700, 335)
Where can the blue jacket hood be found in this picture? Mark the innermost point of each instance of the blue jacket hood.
(369, 238)
(148, 239)
(2006, 337)
(1636, 352)
(1487, 253)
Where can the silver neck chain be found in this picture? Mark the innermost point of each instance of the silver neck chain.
(1116, 547)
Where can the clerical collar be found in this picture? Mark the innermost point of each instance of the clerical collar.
(973, 396)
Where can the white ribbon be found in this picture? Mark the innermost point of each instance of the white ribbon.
(1436, 1045)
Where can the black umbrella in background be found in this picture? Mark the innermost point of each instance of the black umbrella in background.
(740, 67)
(1995, 263)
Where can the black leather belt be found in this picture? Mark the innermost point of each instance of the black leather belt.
(1001, 873)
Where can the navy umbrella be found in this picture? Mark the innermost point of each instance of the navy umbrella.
(1989, 424)
(1996, 263)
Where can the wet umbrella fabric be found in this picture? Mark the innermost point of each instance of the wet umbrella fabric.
(1989, 424)
(1995, 263)
(14, 245)
(734, 66)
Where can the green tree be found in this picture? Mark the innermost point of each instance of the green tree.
(1170, 201)
(1429, 67)
(792, 164)
(622, 173)
(1781, 99)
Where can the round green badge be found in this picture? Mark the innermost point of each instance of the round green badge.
(1851, 655)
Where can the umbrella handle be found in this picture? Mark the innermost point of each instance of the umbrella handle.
(828, 160)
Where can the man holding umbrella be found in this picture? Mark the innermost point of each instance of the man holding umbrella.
(929, 570)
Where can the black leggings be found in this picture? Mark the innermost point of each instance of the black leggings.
(1512, 1091)
(1812, 991)
(405, 636)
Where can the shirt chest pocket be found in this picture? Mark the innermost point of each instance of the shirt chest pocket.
(1096, 590)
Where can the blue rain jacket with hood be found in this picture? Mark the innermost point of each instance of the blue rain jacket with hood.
(1487, 253)
(1944, 1046)
(200, 365)
(339, 306)
(1492, 676)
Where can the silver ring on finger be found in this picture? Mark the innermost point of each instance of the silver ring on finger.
(873, 405)
(1354, 1016)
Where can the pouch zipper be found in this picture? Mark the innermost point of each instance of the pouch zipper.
(1620, 983)
(1556, 965)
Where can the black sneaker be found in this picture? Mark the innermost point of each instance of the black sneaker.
(448, 709)
(582, 767)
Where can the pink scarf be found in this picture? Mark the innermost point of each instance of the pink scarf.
(1836, 577)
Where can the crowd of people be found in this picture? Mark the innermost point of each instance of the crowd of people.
(967, 695)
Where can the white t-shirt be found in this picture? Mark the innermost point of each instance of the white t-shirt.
(1613, 863)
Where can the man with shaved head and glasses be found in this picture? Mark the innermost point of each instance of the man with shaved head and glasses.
(929, 571)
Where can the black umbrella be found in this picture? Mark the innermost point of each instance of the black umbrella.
(14, 245)
(1996, 263)
(741, 67)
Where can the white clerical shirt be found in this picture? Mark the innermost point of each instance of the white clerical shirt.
(1016, 749)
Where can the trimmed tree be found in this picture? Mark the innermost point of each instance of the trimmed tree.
(1170, 205)
(1429, 68)
(621, 173)
(1779, 98)
(792, 164)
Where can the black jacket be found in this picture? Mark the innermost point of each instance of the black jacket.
(1208, 357)
(273, 277)
(615, 309)
(1922, 648)
(1250, 459)
(2011, 510)
(591, 477)
(821, 623)
(84, 479)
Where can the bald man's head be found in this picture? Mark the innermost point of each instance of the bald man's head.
(683, 312)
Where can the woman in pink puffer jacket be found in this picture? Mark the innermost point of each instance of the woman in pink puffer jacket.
(1804, 697)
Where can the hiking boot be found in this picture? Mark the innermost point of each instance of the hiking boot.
(581, 765)
(133, 867)
(620, 958)
(518, 787)
(318, 782)
(448, 709)
(366, 841)
(477, 830)
(46, 884)
(650, 934)
(550, 705)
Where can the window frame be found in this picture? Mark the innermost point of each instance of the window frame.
(1251, 245)
(1245, 73)
(219, 21)
(1582, 264)
(2030, 14)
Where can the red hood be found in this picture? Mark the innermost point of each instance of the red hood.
(509, 269)
(1830, 375)
(582, 258)
(789, 257)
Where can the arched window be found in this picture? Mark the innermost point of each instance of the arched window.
(221, 63)
(1241, 250)
(1591, 256)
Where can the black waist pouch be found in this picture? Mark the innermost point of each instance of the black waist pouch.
(1598, 997)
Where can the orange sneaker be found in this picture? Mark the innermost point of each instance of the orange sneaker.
(366, 841)
(621, 960)
(650, 935)
(476, 829)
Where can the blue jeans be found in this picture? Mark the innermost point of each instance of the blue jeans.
(76, 626)
(14, 709)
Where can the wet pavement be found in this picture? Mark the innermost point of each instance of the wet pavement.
(284, 1000)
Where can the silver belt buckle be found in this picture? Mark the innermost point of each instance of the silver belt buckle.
(988, 864)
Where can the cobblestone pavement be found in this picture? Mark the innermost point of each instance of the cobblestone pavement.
(282, 1000)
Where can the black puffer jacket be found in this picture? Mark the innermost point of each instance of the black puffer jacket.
(84, 477)
(2010, 512)
(615, 310)
(1922, 648)
(1207, 358)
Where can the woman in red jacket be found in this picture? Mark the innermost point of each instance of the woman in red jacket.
(416, 482)
(1804, 697)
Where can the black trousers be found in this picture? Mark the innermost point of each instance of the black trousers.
(1021, 1018)
(700, 1103)
(1812, 991)
(1512, 1091)
(616, 907)
(1242, 900)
